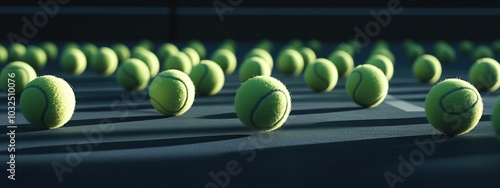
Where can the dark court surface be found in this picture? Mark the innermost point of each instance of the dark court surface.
(117, 139)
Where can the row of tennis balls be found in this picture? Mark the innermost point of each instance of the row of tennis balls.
(263, 103)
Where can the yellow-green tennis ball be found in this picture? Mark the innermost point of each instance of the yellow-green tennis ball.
(145, 43)
(256, 52)
(133, 75)
(229, 42)
(495, 45)
(254, 66)
(427, 69)
(105, 61)
(440, 44)
(172, 93)
(149, 58)
(385, 52)
(73, 61)
(179, 61)
(356, 45)
(383, 63)
(308, 55)
(453, 107)
(35, 57)
(315, 45)
(485, 74)
(225, 59)
(321, 75)
(20, 72)
(90, 50)
(415, 51)
(346, 48)
(70, 45)
(446, 54)
(380, 44)
(198, 47)
(290, 62)
(408, 43)
(466, 47)
(192, 54)
(265, 44)
(483, 51)
(48, 102)
(367, 86)
(263, 103)
(16, 52)
(227, 47)
(122, 52)
(4, 55)
(50, 49)
(495, 118)
(208, 78)
(343, 62)
(166, 50)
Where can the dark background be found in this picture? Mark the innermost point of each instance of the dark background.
(253, 19)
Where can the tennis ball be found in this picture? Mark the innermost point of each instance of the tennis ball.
(321, 75)
(227, 47)
(90, 50)
(208, 78)
(50, 49)
(70, 45)
(179, 61)
(35, 57)
(263, 103)
(254, 66)
(73, 61)
(446, 54)
(256, 52)
(495, 118)
(385, 52)
(166, 50)
(381, 44)
(427, 69)
(149, 58)
(343, 62)
(192, 54)
(485, 74)
(315, 45)
(198, 47)
(172, 93)
(229, 42)
(265, 44)
(440, 44)
(105, 61)
(408, 43)
(296, 43)
(367, 86)
(355, 44)
(290, 62)
(383, 63)
(133, 75)
(16, 52)
(415, 51)
(4, 55)
(22, 75)
(453, 107)
(122, 52)
(496, 46)
(48, 102)
(225, 59)
(346, 48)
(483, 51)
(466, 47)
(145, 43)
(308, 55)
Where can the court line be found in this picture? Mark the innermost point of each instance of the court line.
(89, 10)
(402, 105)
